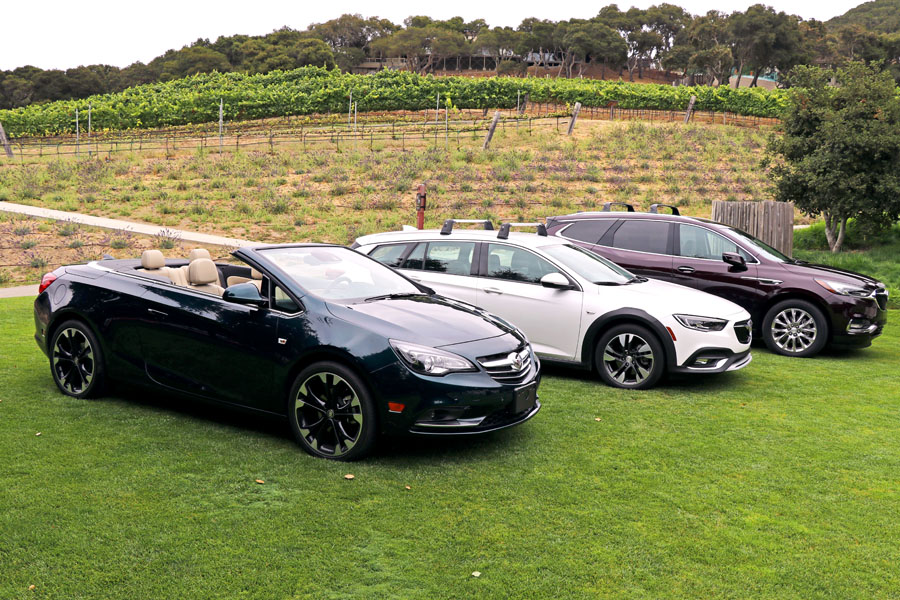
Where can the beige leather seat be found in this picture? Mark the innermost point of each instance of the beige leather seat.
(255, 278)
(154, 263)
(203, 275)
(199, 253)
(152, 260)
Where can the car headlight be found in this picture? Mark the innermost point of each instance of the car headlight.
(843, 289)
(430, 361)
(701, 323)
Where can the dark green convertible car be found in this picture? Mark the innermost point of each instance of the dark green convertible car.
(344, 346)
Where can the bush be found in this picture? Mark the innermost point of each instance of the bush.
(857, 237)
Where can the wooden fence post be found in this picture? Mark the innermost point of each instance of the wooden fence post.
(690, 109)
(574, 117)
(5, 142)
(490, 133)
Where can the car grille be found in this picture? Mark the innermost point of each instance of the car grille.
(509, 367)
(881, 298)
(744, 331)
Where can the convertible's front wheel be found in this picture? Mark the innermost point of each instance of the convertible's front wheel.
(76, 360)
(331, 412)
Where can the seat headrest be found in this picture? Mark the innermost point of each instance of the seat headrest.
(152, 259)
(199, 253)
(202, 271)
(254, 274)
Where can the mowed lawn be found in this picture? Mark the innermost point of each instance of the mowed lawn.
(779, 481)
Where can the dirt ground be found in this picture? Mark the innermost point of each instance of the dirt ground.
(30, 247)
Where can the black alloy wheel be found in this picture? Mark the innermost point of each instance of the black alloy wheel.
(76, 361)
(629, 357)
(795, 328)
(331, 412)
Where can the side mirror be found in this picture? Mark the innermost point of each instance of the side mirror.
(244, 293)
(735, 260)
(556, 281)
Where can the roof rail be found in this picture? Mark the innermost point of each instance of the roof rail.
(504, 229)
(449, 223)
(654, 208)
(607, 206)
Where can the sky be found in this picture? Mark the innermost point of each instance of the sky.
(57, 35)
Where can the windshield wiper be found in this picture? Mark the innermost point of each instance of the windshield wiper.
(394, 296)
(637, 279)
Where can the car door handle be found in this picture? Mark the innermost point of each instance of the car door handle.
(153, 311)
(686, 269)
(493, 290)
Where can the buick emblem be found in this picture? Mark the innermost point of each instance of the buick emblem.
(516, 361)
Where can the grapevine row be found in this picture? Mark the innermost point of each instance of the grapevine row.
(314, 90)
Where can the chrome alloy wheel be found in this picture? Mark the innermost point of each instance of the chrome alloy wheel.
(329, 413)
(794, 330)
(628, 359)
(73, 361)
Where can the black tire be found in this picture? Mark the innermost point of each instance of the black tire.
(795, 328)
(331, 412)
(76, 360)
(630, 356)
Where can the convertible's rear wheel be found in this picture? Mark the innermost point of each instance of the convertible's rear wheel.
(76, 361)
(331, 412)
(629, 356)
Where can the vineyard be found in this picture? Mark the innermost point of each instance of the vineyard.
(314, 90)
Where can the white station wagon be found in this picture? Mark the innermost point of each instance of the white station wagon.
(575, 306)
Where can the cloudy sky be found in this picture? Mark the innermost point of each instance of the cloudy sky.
(53, 34)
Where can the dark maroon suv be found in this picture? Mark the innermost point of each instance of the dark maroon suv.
(798, 308)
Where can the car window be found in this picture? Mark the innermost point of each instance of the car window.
(587, 231)
(699, 242)
(643, 236)
(389, 254)
(453, 258)
(416, 257)
(283, 302)
(517, 264)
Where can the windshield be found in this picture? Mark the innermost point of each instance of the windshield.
(336, 273)
(761, 247)
(585, 263)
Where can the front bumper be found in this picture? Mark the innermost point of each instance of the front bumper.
(455, 404)
(714, 360)
(855, 322)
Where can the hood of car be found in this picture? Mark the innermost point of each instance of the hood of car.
(428, 320)
(654, 296)
(832, 273)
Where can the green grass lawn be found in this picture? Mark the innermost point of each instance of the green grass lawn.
(779, 481)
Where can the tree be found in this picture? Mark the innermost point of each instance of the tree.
(423, 47)
(704, 47)
(839, 155)
(595, 43)
(500, 43)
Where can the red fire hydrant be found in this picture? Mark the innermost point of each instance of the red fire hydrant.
(420, 207)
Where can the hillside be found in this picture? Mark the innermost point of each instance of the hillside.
(882, 16)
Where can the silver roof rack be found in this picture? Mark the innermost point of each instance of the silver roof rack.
(607, 206)
(449, 223)
(505, 227)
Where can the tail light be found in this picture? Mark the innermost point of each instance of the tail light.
(46, 280)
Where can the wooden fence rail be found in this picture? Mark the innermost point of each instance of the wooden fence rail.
(772, 222)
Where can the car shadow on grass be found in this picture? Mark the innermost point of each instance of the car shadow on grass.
(410, 450)
(700, 383)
